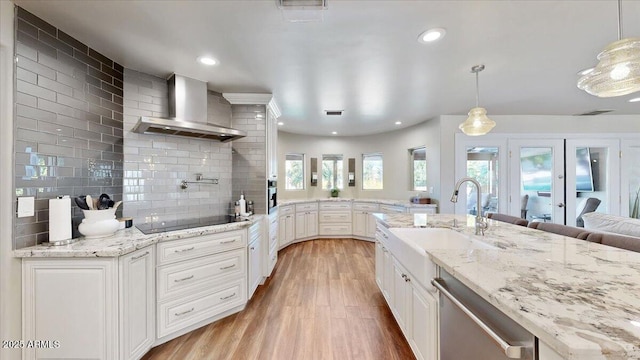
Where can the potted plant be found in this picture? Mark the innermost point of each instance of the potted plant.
(335, 192)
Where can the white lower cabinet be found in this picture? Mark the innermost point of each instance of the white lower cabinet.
(137, 303)
(545, 352)
(306, 224)
(200, 280)
(286, 226)
(92, 308)
(414, 308)
(255, 257)
(271, 253)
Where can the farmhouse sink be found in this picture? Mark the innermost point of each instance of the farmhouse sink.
(434, 238)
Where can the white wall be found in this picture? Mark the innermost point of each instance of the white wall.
(10, 274)
(394, 147)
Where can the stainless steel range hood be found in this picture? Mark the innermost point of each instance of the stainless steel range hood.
(187, 114)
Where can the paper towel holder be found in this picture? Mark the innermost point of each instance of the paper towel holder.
(64, 218)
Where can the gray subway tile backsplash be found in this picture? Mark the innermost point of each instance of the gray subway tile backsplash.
(62, 144)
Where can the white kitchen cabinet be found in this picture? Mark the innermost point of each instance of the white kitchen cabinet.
(414, 308)
(423, 322)
(137, 303)
(335, 219)
(271, 253)
(286, 226)
(306, 224)
(73, 302)
(364, 224)
(272, 144)
(104, 305)
(200, 280)
(255, 257)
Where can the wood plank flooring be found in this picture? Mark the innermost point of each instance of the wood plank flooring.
(321, 302)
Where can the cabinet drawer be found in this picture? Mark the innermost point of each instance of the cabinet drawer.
(307, 207)
(335, 229)
(342, 205)
(176, 250)
(335, 217)
(285, 210)
(362, 206)
(180, 313)
(195, 275)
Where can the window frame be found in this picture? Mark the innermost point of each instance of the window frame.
(372, 155)
(338, 172)
(412, 167)
(286, 175)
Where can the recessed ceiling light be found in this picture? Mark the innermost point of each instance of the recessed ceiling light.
(585, 71)
(634, 99)
(334, 133)
(280, 123)
(432, 35)
(207, 60)
(398, 122)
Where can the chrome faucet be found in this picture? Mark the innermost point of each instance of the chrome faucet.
(481, 223)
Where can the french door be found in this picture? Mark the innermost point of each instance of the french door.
(537, 178)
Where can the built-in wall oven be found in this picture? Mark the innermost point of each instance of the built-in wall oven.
(272, 196)
(471, 328)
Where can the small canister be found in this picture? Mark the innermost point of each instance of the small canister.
(237, 208)
(250, 206)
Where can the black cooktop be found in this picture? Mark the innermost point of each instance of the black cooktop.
(164, 226)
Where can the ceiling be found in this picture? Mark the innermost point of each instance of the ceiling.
(363, 57)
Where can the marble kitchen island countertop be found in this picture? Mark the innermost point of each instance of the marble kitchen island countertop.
(580, 298)
(339, 199)
(124, 241)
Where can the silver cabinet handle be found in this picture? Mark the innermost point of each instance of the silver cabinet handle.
(183, 279)
(228, 297)
(185, 312)
(512, 352)
(228, 241)
(185, 250)
(140, 256)
(227, 267)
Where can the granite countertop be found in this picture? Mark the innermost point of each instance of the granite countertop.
(580, 298)
(124, 241)
(338, 199)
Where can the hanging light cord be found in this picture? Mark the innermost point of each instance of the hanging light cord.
(619, 19)
(477, 90)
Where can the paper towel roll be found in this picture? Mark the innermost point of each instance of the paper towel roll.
(59, 219)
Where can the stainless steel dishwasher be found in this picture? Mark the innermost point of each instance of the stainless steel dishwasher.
(471, 328)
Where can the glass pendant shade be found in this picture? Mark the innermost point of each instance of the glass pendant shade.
(477, 123)
(618, 70)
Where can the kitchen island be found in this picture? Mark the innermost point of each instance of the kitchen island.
(579, 298)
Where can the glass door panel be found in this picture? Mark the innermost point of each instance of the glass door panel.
(484, 159)
(630, 180)
(591, 184)
(537, 180)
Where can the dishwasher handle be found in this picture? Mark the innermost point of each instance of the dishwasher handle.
(511, 351)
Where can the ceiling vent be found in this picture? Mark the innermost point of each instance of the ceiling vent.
(302, 10)
(334, 112)
(594, 112)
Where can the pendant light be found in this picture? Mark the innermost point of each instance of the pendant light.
(477, 123)
(618, 69)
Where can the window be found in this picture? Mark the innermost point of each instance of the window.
(418, 169)
(294, 172)
(372, 171)
(332, 169)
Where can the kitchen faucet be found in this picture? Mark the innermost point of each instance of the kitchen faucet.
(481, 223)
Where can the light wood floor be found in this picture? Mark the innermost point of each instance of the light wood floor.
(321, 302)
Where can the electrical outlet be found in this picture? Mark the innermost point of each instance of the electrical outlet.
(26, 206)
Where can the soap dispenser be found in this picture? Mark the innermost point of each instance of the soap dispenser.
(243, 204)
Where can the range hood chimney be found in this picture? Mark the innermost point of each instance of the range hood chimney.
(187, 114)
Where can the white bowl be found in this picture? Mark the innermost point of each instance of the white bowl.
(99, 223)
